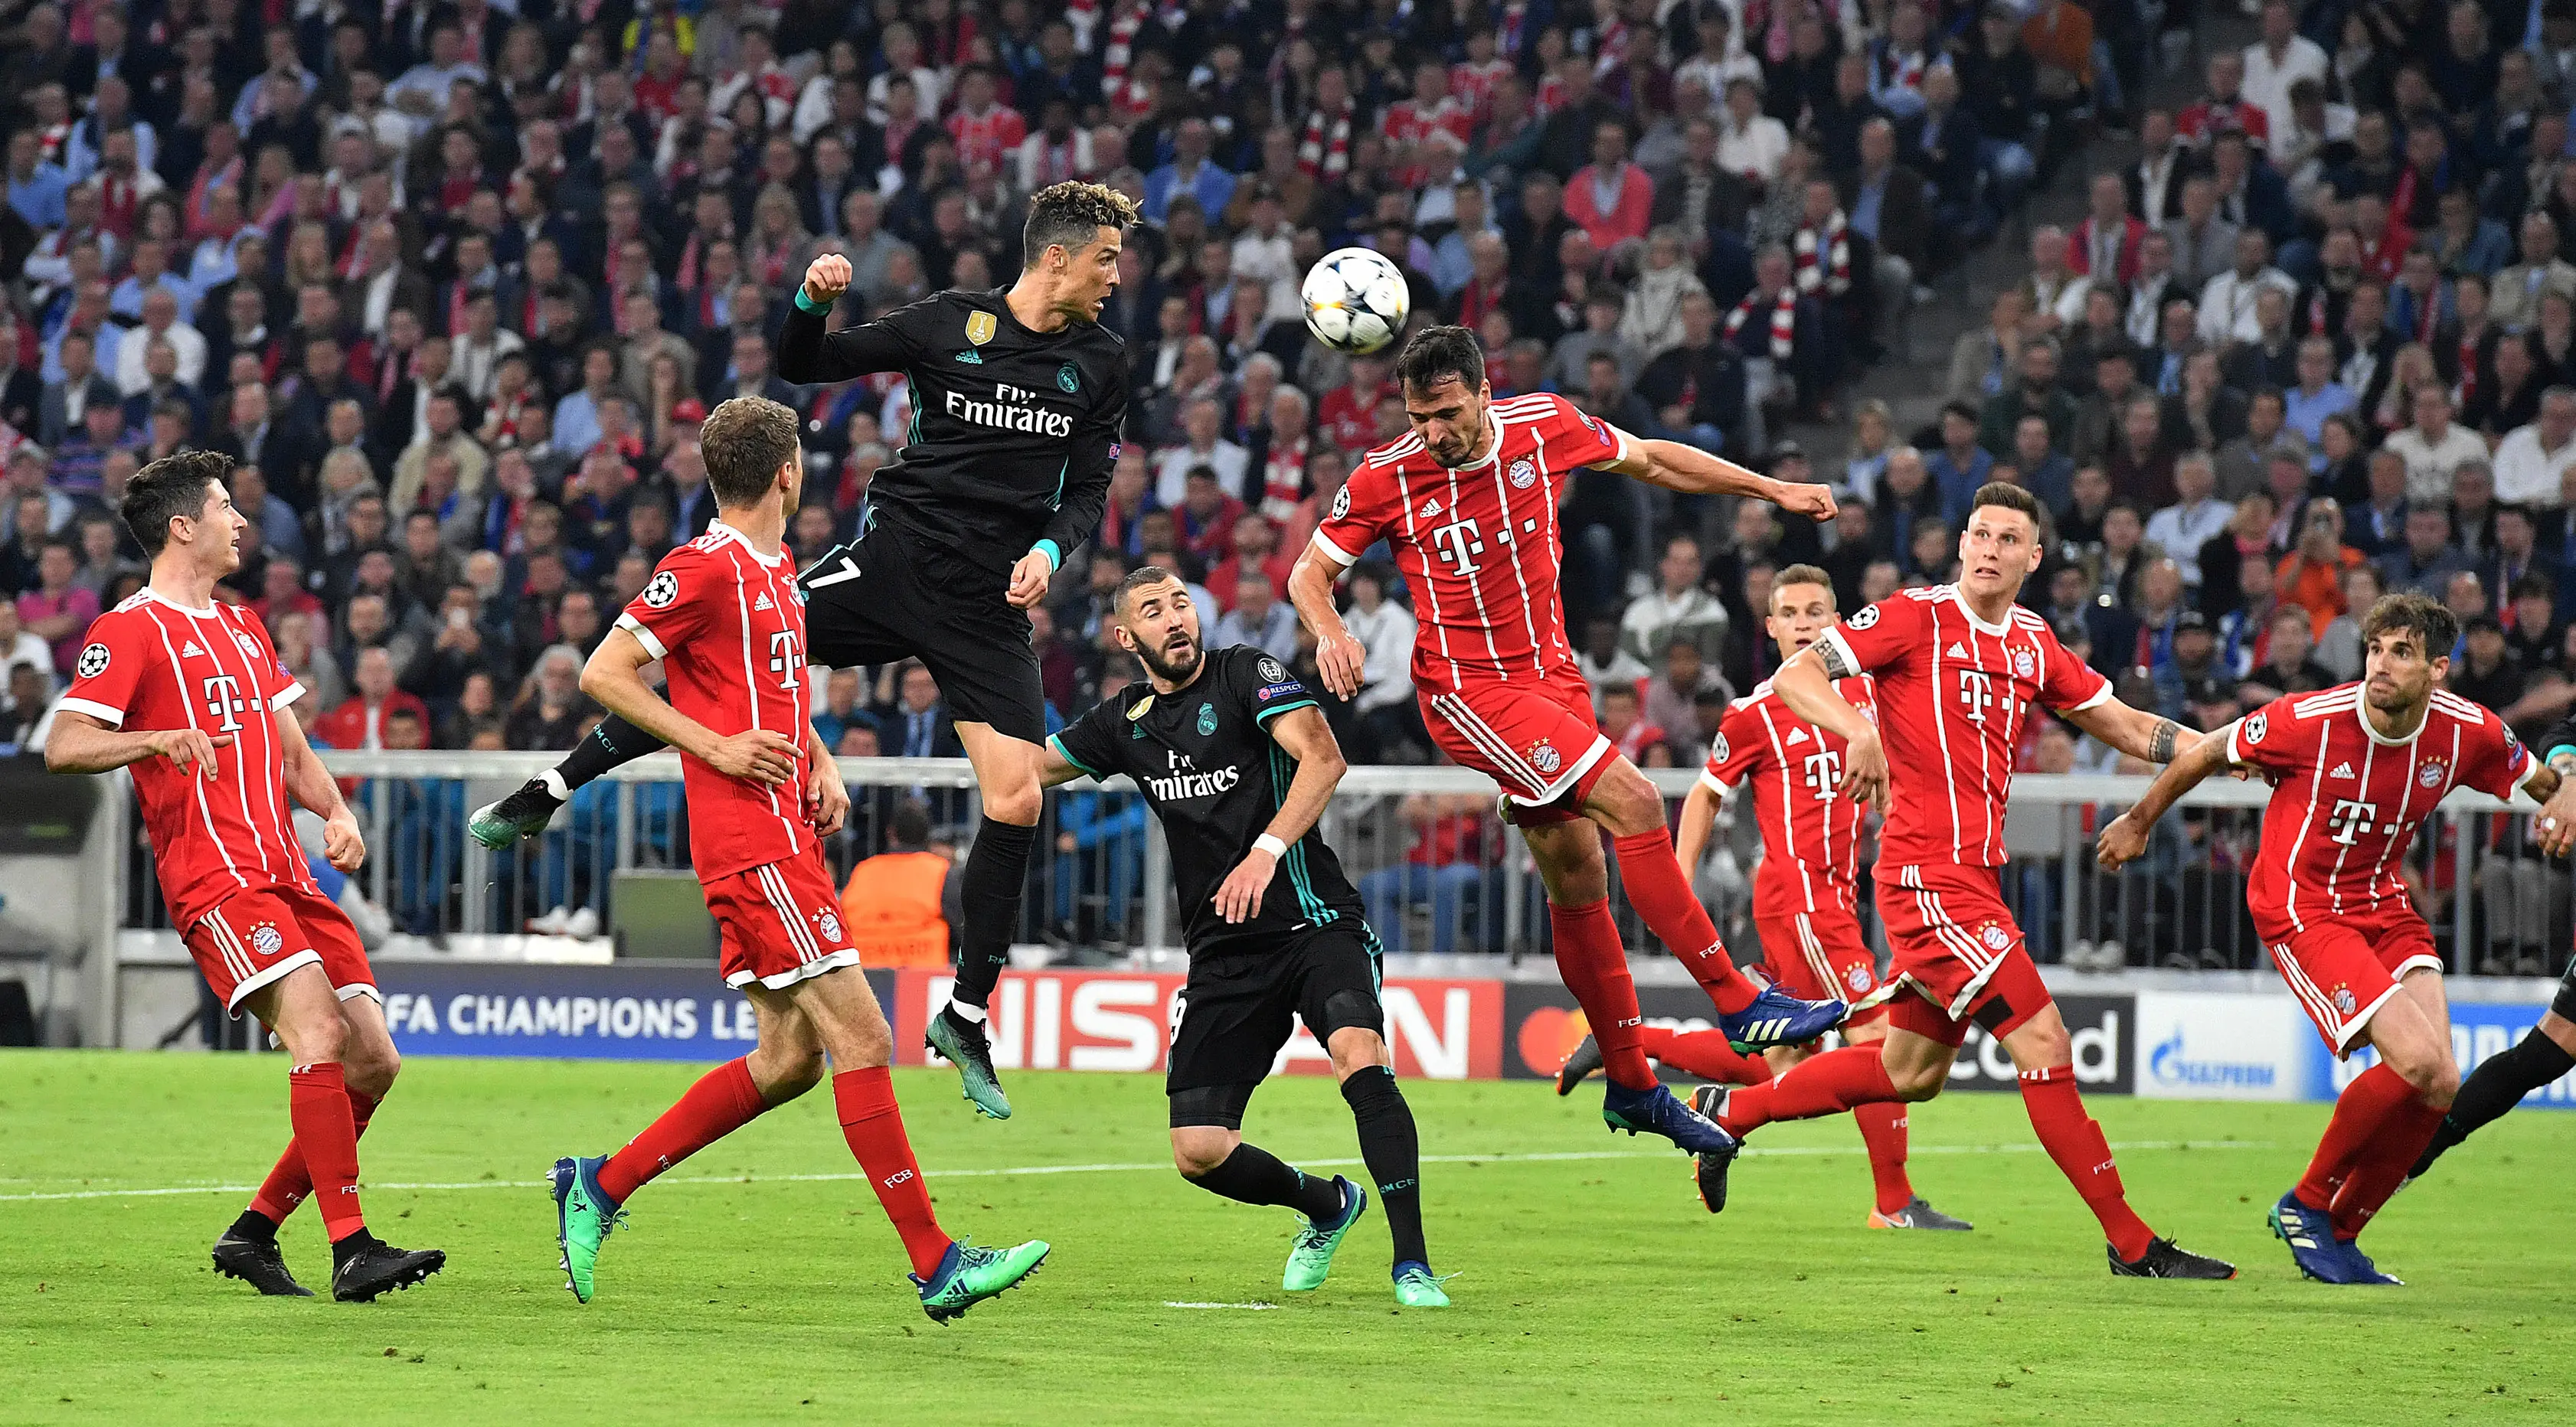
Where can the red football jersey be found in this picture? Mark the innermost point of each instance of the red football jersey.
(1953, 692)
(728, 624)
(2346, 802)
(1796, 772)
(151, 663)
(1479, 546)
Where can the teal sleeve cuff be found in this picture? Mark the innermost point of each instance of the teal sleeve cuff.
(1266, 715)
(1054, 553)
(807, 304)
(1057, 743)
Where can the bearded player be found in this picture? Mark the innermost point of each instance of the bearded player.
(1958, 670)
(2354, 770)
(191, 695)
(1469, 500)
(1019, 396)
(1805, 905)
(724, 615)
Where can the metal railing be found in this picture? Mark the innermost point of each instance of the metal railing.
(1101, 879)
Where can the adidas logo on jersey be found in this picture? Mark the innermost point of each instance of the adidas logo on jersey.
(763, 603)
(2341, 770)
(1430, 508)
(1796, 737)
(192, 651)
(1956, 652)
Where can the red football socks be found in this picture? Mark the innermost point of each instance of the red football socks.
(1826, 1084)
(1594, 963)
(873, 1125)
(724, 1100)
(2376, 1100)
(326, 1131)
(1660, 891)
(2382, 1166)
(1704, 1054)
(289, 1182)
(2074, 1140)
(1882, 1128)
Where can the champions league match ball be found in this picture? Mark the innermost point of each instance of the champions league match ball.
(1356, 301)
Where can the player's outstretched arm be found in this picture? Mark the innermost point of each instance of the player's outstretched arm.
(1692, 471)
(1806, 685)
(1309, 740)
(312, 786)
(1339, 655)
(808, 352)
(1054, 769)
(615, 677)
(2126, 837)
(1699, 815)
(82, 744)
(2136, 732)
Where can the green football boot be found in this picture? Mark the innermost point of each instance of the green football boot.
(969, 1275)
(584, 1218)
(1311, 1257)
(1416, 1287)
(964, 1044)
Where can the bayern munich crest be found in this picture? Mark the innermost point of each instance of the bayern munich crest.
(265, 940)
(249, 646)
(93, 661)
(2344, 1002)
(830, 921)
(1995, 937)
(2432, 773)
(2025, 663)
(1524, 474)
(1858, 979)
(1545, 758)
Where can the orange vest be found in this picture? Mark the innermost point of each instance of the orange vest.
(892, 907)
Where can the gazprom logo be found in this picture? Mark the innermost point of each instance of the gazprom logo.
(2171, 1063)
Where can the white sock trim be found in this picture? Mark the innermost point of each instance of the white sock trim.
(553, 779)
(972, 1015)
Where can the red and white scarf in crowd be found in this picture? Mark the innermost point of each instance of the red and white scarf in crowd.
(1119, 50)
(1324, 145)
(1283, 479)
(1901, 71)
(1823, 257)
(1474, 85)
(1784, 321)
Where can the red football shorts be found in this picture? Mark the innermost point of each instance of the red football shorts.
(1536, 737)
(256, 936)
(779, 923)
(1954, 944)
(2344, 970)
(1815, 953)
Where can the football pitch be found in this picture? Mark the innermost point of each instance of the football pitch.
(759, 1281)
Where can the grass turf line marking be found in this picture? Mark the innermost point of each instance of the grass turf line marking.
(1784, 1152)
(1246, 1307)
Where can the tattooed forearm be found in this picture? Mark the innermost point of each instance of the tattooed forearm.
(1831, 655)
(2160, 744)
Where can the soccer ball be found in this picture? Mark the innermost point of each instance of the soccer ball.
(1356, 300)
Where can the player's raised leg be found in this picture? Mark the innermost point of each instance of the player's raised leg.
(527, 809)
(368, 1066)
(996, 872)
(305, 1012)
(1702, 1053)
(1753, 1016)
(2547, 1052)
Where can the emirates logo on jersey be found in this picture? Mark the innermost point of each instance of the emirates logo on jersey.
(2432, 773)
(2025, 663)
(1524, 474)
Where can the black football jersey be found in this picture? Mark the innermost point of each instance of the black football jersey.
(1013, 432)
(1211, 772)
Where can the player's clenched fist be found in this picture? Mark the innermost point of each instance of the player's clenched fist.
(185, 747)
(1339, 659)
(826, 279)
(1814, 502)
(1029, 580)
(827, 798)
(759, 755)
(2120, 843)
(343, 846)
(1865, 772)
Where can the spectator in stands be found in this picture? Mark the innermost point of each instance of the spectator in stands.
(1679, 608)
(1443, 866)
(2428, 559)
(2531, 461)
(1259, 618)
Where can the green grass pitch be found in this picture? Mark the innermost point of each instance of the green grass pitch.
(1592, 1287)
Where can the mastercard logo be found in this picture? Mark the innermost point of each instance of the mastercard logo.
(1548, 1035)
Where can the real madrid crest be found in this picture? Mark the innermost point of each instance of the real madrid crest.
(980, 327)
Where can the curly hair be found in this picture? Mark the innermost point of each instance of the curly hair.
(1070, 215)
(172, 486)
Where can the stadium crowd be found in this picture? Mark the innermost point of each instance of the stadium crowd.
(455, 283)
